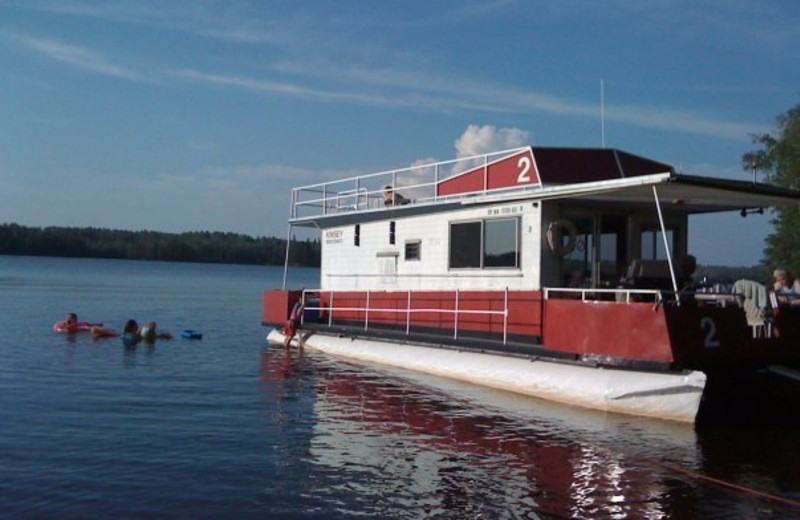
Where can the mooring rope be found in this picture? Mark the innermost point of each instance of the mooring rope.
(731, 485)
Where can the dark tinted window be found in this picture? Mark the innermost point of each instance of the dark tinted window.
(465, 245)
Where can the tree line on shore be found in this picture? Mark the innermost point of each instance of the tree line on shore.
(196, 246)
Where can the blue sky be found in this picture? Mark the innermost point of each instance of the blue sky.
(201, 115)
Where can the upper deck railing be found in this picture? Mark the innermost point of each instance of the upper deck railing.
(417, 184)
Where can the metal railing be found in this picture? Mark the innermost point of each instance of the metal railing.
(621, 295)
(418, 184)
(330, 309)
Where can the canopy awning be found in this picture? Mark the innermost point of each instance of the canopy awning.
(688, 193)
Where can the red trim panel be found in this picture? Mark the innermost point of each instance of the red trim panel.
(277, 305)
(515, 171)
(636, 331)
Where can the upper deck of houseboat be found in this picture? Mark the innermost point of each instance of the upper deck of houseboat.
(595, 176)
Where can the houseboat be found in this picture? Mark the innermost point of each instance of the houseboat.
(552, 272)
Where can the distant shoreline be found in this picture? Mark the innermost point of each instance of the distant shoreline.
(196, 246)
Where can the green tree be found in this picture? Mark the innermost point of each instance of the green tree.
(779, 159)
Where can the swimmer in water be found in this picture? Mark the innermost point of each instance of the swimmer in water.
(130, 334)
(71, 324)
(149, 333)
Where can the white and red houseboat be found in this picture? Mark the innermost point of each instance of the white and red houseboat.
(543, 271)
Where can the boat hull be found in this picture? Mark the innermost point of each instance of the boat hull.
(664, 395)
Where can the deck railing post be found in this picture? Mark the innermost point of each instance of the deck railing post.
(485, 173)
(408, 314)
(394, 186)
(324, 199)
(455, 324)
(286, 259)
(330, 310)
(436, 182)
(366, 314)
(505, 318)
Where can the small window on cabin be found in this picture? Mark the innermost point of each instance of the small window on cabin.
(465, 245)
(412, 250)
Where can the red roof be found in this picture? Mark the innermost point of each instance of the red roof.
(575, 165)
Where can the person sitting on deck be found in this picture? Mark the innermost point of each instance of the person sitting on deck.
(684, 271)
(392, 198)
(784, 290)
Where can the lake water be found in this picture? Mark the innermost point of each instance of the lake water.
(230, 427)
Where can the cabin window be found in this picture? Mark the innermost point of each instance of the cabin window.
(412, 250)
(484, 244)
(653, 243)
(357, 236)
(465, 245)
(391, 232)
(599, 256)
(500, 243)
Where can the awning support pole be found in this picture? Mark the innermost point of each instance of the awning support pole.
(286, 260)
(666, 245)
(289, 238)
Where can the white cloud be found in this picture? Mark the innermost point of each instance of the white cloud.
(478, 140)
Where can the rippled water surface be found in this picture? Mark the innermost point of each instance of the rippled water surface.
(230, 427)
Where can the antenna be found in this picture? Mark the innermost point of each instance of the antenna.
(602, 114)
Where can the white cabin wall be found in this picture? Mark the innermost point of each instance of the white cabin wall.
(531, 243)
(551, 263)
(366, 267)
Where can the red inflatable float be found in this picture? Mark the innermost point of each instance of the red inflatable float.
(63, 326)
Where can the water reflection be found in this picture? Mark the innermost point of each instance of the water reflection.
(405, 445)
(448, 456)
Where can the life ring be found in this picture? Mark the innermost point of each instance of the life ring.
(556, 231)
